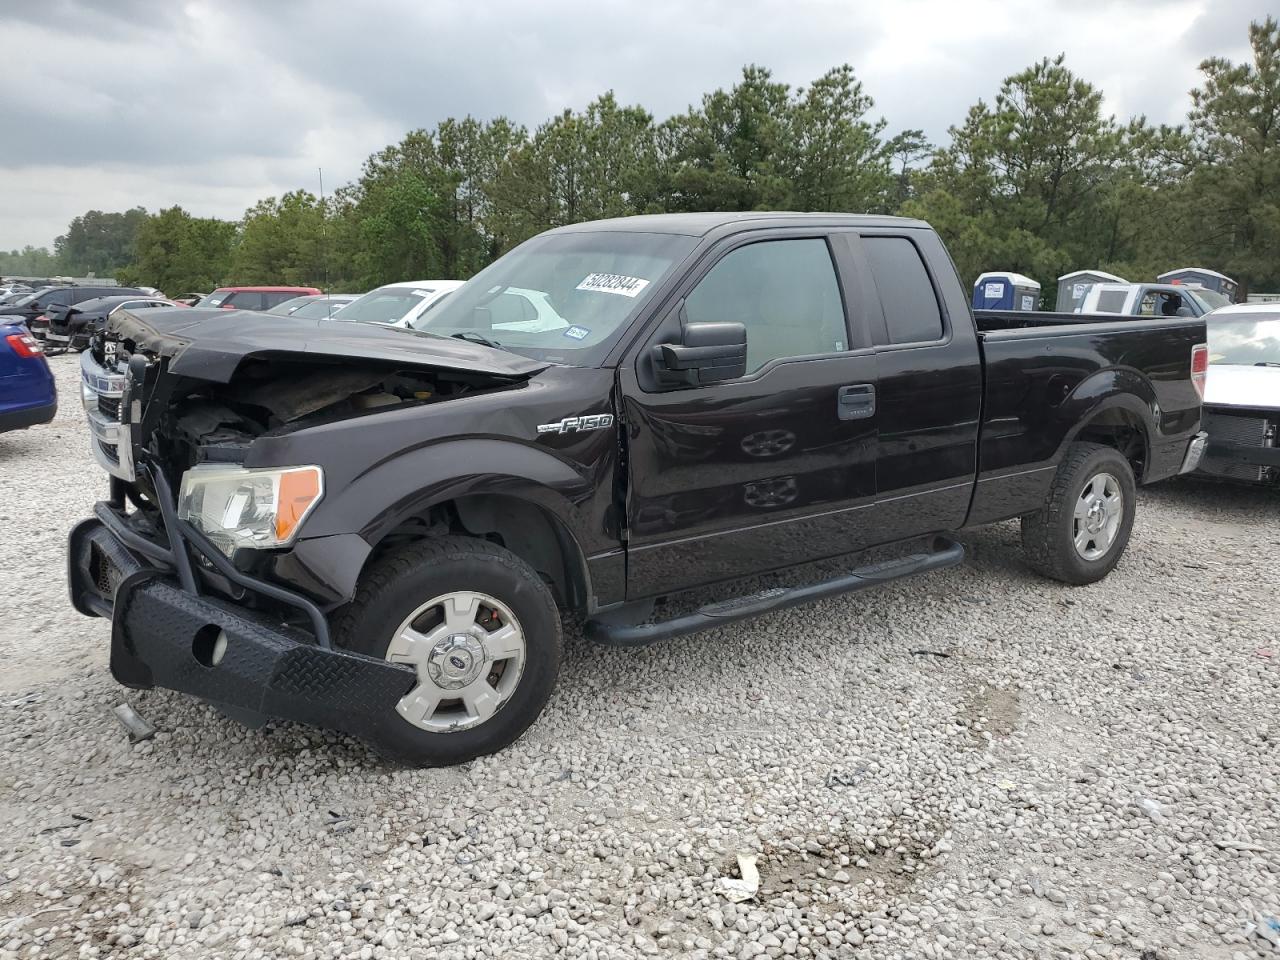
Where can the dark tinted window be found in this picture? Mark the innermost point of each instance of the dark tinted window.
(56, 296)
(1112, 301)
(906, 293)
(784, 292)
(245, 300)
(272, 299)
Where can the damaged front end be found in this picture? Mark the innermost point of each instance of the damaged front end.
(180, 556)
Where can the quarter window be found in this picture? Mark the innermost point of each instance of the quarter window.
(783, 291)
(906, 293)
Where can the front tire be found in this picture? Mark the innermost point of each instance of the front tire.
(1082, 532)
(483, 633)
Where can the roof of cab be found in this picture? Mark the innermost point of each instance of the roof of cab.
(700, 224)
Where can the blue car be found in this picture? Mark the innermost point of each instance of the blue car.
(27, 392)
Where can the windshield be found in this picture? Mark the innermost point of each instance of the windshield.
(1211, 299)
(318, 309)
(214, 299)
(384, 305)
(561, 297)
(1244, 341)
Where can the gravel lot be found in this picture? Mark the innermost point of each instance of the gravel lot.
(978, 763)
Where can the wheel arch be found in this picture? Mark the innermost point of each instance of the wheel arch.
(1115, 408)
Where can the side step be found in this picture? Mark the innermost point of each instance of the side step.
(946, 553)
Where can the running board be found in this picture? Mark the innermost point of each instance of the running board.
(946, 553)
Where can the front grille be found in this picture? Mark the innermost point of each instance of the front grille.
(109, 406)
(1234, 429)
(1245, 430)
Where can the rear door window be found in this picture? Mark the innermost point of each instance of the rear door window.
(270, 300)
(910, 304)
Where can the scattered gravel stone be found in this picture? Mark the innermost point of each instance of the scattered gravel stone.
(994, 803)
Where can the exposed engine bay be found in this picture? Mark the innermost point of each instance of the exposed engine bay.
(216, 421)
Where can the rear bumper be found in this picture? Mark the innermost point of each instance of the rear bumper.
(248, 663)
(1195, 452)
(27, 416)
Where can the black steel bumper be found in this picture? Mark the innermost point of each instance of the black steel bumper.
(164, 634)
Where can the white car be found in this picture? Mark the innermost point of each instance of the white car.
(1241, 411)
(398, 304)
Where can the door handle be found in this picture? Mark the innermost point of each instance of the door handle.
(856, 401)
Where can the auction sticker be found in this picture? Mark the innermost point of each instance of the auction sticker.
(577, 333)
(613, 283)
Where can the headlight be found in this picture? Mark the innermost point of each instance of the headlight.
(235, 507)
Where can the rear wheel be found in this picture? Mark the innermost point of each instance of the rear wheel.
(1084, 528)
(480, 629)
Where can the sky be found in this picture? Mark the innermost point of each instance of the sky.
(215, 104)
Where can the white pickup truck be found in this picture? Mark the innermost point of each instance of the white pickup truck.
(1151, 300)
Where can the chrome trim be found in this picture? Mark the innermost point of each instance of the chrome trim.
(96, 381)
(1195, 450)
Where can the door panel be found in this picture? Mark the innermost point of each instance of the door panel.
(776, 468)
(731, 479)
(929, 373)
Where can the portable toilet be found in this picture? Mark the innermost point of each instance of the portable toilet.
(1073, 286)
(1005, 291)
(1209, 279)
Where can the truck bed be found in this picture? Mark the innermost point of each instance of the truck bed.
(1045, 377)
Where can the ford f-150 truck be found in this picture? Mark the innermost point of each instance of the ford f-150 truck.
(382, 531)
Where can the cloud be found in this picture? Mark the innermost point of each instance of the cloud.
(214, 104)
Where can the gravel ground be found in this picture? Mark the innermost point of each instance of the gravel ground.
(978, 763)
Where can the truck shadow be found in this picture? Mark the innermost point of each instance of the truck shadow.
(1210, 497)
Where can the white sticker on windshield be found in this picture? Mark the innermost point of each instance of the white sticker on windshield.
(613, 283)
(577, 333)
(423, 293)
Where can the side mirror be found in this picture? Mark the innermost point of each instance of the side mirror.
(706, 353)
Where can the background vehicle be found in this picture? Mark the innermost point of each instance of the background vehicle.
(397, 304)
(1242, 394)
(27, 392)
(254, 298)
(313, 307)
(32, 308)
(71, 326)
(726, 395)
(189, 299)
(1151, 300)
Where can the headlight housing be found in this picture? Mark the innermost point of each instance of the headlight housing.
(236, 507)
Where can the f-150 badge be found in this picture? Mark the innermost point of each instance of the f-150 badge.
(599, 421)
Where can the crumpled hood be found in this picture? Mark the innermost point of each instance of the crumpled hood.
(1230, 385)
(210, 343)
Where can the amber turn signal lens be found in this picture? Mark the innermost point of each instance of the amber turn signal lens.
(299, 489)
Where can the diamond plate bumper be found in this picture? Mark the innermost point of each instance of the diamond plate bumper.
(229, 655)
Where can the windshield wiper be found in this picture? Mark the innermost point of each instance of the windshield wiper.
(1267, 363)
(473, 337)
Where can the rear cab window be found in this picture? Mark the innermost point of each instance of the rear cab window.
(907, 296)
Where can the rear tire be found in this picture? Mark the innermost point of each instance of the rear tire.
(1083, 530)
(481, 629)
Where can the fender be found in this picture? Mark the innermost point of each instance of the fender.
(380, 499)
(1115, 388)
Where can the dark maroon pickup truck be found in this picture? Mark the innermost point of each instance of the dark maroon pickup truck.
(381, 531)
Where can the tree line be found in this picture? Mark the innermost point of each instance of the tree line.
(1037, 180)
